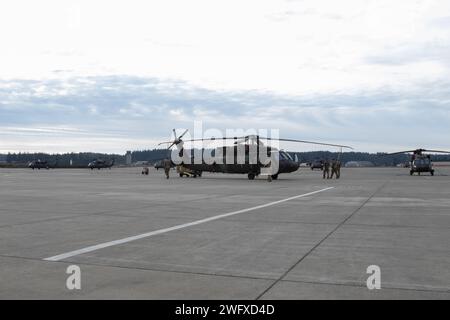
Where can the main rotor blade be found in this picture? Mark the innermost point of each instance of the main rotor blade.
(414, 151)
(400, 152)
(215, 139)
(264, 138)
(182, 134)
(164, 142)
(437, 151)
(310, 142)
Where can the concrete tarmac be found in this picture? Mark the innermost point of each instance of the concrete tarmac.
(272, 245)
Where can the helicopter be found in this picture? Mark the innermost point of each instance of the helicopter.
(38, 164)
(100, 164)
(250, 162)
(419, 161)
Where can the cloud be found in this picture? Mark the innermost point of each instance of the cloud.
(373, 73)
(136, 111)
(312, 46)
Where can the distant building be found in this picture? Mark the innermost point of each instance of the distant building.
(128, 158)
(441, 163)
(403, 165)
(359, 164)
(141, 163)
(3, 158)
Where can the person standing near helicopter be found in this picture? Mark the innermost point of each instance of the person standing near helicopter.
(326, 169)
(333, 168)
(338, 169)
(167, 164)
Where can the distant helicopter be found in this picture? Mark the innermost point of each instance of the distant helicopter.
(286, 163)
(100, 164)
(38, 164)
(420, 162)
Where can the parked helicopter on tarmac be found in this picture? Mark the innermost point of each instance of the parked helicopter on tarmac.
(100, 164)
(251, 144)
(419, 161)
(39, 164)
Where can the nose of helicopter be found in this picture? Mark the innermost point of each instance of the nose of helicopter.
(288, 166)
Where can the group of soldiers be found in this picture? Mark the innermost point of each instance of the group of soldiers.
(335, 166)
(167, 165)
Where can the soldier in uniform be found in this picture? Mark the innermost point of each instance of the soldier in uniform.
(338, 169)
(326, 169)
(333, 168)
(167, 164)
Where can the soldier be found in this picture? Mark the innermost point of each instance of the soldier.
(326, 169)
(338, 169)
(333, 168)
(167, 164)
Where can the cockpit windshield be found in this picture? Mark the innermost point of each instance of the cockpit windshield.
(422, 162)
(285, 156)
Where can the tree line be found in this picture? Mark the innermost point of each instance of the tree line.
(378, 159)
(83, 158)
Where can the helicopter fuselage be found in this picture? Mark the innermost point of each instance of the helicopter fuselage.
(285, 164)
(38, 165)
(420, 164)
(100, 164)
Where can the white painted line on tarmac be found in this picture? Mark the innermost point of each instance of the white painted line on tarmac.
(181, 226)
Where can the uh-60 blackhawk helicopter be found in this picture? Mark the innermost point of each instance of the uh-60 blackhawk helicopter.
(247, 155)
(39, 164)
(100, 164)
(419, 161)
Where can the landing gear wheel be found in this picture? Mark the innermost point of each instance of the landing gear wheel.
(411, 173)
(181, 175)
(432, 172)
(251, 176)
(275, 176)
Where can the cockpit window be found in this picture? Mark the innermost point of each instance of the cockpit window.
(421, 162)
(285, 155)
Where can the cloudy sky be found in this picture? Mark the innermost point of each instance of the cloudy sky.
(111, 76)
